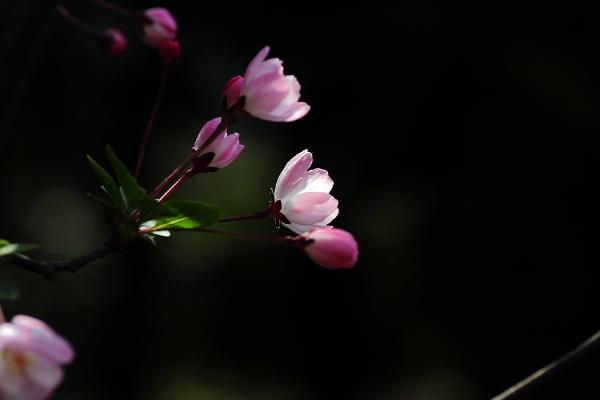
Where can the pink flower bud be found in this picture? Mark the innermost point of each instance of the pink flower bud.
(303, 195)
(220, 153)
(331, 248)
(158, 25)
(113, 42)
(170, 50)
(231, 91)
(268, 93)
(31, 359)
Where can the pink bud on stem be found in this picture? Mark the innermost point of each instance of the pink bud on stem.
(111, 40)
(331, 248)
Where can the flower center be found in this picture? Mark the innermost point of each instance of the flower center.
(15, 362)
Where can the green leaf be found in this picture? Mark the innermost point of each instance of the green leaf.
(12, 248)
(150, 209)
(132, 192)
(186, 215)
(4, 242)
(8, 286)
(108, 184)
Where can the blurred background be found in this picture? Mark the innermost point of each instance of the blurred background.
(462, 140)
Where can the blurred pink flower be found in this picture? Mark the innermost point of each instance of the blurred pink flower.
(268, 93)
(157, 26)
(226, 148)
(31, 359)
(170, 51)
(113, 42)
(331, 248)
(302, 196)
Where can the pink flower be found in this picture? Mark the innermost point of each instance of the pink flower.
(113, 42)
(232, 91)
(331, 248)
(220, 153)
(31, 356)
(301, 196)
(268, 93)
(157, 26)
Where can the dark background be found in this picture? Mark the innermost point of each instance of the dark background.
(462, 140)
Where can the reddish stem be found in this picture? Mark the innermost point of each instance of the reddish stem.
(288, 240)
(172, 189)
(164, 74)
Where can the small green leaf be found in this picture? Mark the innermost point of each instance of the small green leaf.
(8, 286)
(108, 184)
(133, 192)
(186, 215)
(4, 242)
(12, 248)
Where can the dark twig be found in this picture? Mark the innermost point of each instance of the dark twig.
(161, 89)
(47, 269)
(551, 369)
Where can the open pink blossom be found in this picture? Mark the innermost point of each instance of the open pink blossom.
(31, 359)
(331, 248)
(268, 93)
(220, 153)
(158, 25)
(302, 195)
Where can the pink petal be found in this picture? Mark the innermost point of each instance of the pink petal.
(300, 229)
(11, 382)
(227, 152)
(11, 338)
(272, 67)
(317, 180)
(42, 340)
(206, 131)
(45, 373)
(266, 96)
(292, 174)
(255, 63)
(295, 112)
(309, 208)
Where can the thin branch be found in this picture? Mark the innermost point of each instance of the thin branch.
(550, 369)
(47, 269)
(76, 22)
(259, 215)
(115, 8)
(164, 74)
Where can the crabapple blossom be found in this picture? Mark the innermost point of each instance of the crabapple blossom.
(157, 25)
(31, 359)
(331, 248)
(301, 199)
(220, 152)
(113, 42)
(269, 94)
